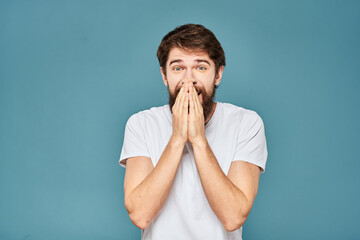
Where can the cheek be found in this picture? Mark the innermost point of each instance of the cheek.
(174, 82)
(209, 89)
(207, 79)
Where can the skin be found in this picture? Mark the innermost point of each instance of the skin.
(147, 187)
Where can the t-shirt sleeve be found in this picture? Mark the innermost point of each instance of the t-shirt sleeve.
(251, 143)
(134, 140)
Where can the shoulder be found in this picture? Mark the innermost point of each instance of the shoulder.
(154, 113)
(239, 114)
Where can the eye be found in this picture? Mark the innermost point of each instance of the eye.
(201, 68)
(177, 68)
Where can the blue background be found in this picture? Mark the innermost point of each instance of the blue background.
(72, 72)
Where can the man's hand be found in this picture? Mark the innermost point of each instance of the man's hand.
(196, 127)
(180, 115)
(188, 117)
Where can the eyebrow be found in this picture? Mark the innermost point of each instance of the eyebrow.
(197, 60)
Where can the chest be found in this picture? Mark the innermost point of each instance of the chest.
(221, 138)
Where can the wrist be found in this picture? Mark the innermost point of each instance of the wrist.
(177, 141)
(200, 143)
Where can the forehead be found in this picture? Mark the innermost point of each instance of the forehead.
(187, 56)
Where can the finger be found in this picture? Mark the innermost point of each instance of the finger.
(199, 106)
(178, 98)
(196, 100)
(186, 106)
(191, 99)
(192, 103)
(183, 103)
(182, 97)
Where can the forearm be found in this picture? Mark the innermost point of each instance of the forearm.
(147, 199)
(228, 202)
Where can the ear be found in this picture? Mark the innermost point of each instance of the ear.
(219, 75)
(163, 76)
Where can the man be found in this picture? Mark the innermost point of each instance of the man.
(193, 166)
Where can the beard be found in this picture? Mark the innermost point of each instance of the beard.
(207, 100)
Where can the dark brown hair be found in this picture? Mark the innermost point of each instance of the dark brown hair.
(191, 37)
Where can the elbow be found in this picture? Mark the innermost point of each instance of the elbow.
(139, 221)
(233, 225)
(137, 218)
(237, 218)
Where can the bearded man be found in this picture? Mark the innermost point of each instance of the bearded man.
(192, 166)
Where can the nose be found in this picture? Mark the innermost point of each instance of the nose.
(189, 77)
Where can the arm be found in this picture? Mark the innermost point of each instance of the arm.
(230, 197)
(146, 187)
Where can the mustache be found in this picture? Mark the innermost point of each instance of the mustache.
(197, 89)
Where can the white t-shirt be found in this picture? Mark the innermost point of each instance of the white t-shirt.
(233, 133)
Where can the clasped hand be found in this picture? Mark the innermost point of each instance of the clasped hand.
(188, 117)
